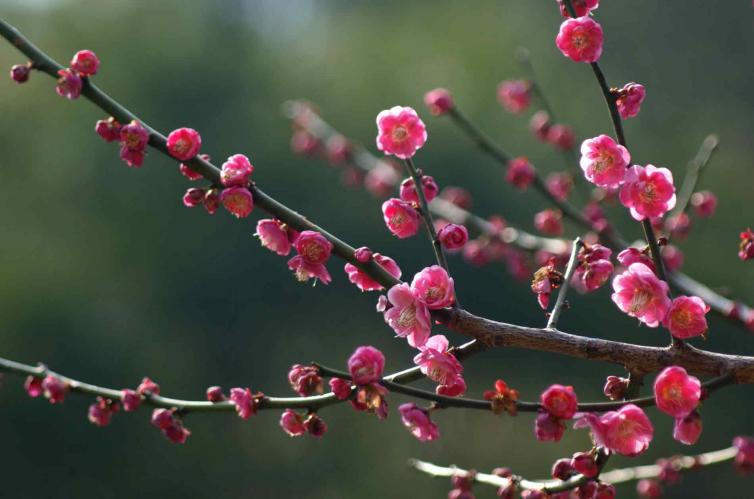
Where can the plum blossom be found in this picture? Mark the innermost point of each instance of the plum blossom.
(434, 287)
(400, 132)
(401, 218)
(627, 431)
(453, 236)
(437, 363)
(85, 63)
(560, 401)
(648, 191)
(418, 422)
(184, 143)
(408, 190)
(639, 293)
(686, 317)
(580, 39)
(366, 365)
(676, 392)
(628, 99)
(69, 84)
(366, 283)
(439, 101)
(514, 95)
(688, 430)
(313, 251)
(604, 161)
(520, 173)
(273, 236)
(408, 316)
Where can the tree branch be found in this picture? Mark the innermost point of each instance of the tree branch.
(570, 268)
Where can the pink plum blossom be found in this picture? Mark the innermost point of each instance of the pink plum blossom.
(338, 150)
(559, 184)
(439, 101)
(340, 387)
(458, 196)
(363, 254)
(101, 412)
(583, 462)
(408, 316)
(627, 431)
(453, 236)
(561, 136)
(686, 317)
(434, 287)
(85, 63)
(676, 392)
(745, 456)
(437, 363)
(594, 268)
(235, 171)
(582, 7)
(108, 129)
(366, 283)
(33, 386)
(133, 139)
(238, 201)
(418, 422)
(514, 95)
(549, 222)
(184, 143)
(381, 179)
(292, 423)
(704, 203)
(639, 293)
(746, 245)
(69, 84)
(194, 196)
(20, 73)
(148, 387)
(54, 389)
(245, 402)
(560, 401)
(580, 39)
(604, 161)
(315, 425)
(212, 200)
(366, 365)
(131, 400)
(629, 98)
(539, 125)
(548, 428)
(520, 173)
(408, 191)
(215, 394)
(273, 236)
(400, 217)
(648, 191)
(305, 380)
(313, 251)
(688, 430)
(400, 132)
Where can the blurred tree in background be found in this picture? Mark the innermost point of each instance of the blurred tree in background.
(106, 276)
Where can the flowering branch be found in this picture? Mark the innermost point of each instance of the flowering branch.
(560, 302)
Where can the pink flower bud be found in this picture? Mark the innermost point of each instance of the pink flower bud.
(85, 63)
(366, 365)
(400, 132)
(381, 179)
(439, 101)
(548, 428)
(453, 236)
(686, 317)
(401, 218)
(745, 456)
(539, 125)
(704, 203)
(184, 143)
(212, 200)
(434, 286)
(341, 388)
(273, 236)
(454, 389)
(626, 431)
(678, 226)
(746, 246)
(236, 170)
(69, 84)
(615, 387)
(408, 316)
(514, 95)
(133, 138)
(238, 201)
(648, 191)
(190, 174)
(604, 161)
(639, 293)
(303, 142)
(162, 418)
(101, 412)
(315, 426)
(458, 196)
(194, 197)
(418, 422)
(54, 389)
(580, 39)
(20, 73)
(338, 150)
(559, 184)
(408, 191)
(561, 136)
(648, 489)
(292, 423)
(672, 257)
(562, 469)
(676, 393)
(366, 283)
(560, 401)
(605, 491)
(147, 386)
(508, 491)
(584, 463)
(108, 129)
(132, 157)
(245, 402)
(520, 173)
(33, 386)
(176, 433)
(363, 254)
(549, 222)
(130, 399)
(688, 430)
(628, 99)
(215, 394)
(305, 380)
(437, 363)
(582, 7)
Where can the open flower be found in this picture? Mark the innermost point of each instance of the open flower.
(560, 401)
(366, 283)
(604, 161)
(676, 393)
(408, 316)
(437, 363)
(366, 365)
(514, 95)
(627, 431)
(640, 294)
(434, 286)
(401, 218)
(400, 132)
(580, 39)
(418, 422)
(648, 191)
(686, 317)
(628, 99)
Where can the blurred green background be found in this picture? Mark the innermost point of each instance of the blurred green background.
(106, 277)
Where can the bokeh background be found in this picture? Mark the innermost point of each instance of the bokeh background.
(105, 276)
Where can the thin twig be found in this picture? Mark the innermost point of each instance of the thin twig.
(694, 172)
(570, 269)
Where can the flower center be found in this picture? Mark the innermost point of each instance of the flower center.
(640, 300)
(580, 40)
(603, 162)
(407, 317)
(312, 252)
(647, 192)
(400, 133)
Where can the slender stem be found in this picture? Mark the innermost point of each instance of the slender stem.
(416, 177)
(616, 476)
(694, 172)
(570, 269)
(478, 137)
